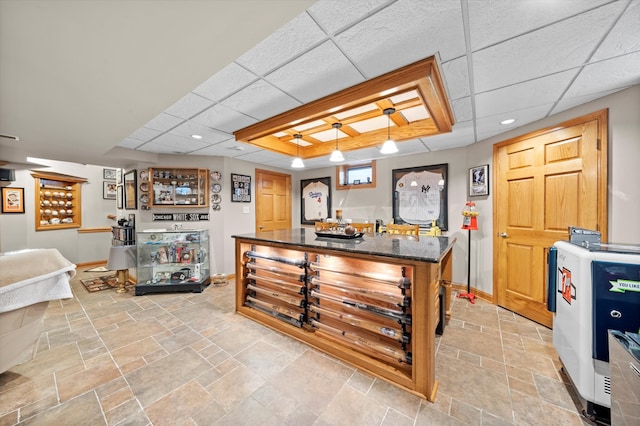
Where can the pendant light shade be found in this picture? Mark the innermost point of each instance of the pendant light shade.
(336, 156)
(297, 162)
(389, 147)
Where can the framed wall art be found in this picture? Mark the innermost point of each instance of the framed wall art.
(119, 197)
(240, 188)
(12, 200)
(479, 180)
(420, 195)
(109, 174)
(108, 190)
(315, 203)
(130, 190)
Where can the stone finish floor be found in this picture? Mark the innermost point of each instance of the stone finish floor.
(188, 359)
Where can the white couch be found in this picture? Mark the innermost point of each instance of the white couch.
(29, 279)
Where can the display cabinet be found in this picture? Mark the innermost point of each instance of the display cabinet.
(181, 187)
(57, 201)
(170, 261)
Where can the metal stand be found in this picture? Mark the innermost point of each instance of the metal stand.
(468, 294)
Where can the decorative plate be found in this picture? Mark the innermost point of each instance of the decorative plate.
(216, 198)
(144, 174)
(215, 206)
(144, 187)
(216, 188)
(215, 176)
(144, 198)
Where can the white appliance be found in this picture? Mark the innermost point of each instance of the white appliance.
(592, 290)
(624, 361)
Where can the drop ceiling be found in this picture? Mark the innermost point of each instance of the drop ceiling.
(113, 82)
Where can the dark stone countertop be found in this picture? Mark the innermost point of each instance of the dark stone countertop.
(426, 249)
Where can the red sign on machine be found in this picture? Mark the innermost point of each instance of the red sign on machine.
(567, 288)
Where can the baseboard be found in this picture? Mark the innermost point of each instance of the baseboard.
(92, 264)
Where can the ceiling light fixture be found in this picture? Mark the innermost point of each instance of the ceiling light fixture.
(297, 162)
(336, 156)
(389, 147)
(508, 121)
(196, 136)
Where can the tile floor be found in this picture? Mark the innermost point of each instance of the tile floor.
(188, 359)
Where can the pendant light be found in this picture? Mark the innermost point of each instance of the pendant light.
(336, 156)
(297, 162)
(389, 147)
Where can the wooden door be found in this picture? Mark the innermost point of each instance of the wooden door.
(273, 201)
(545, 182)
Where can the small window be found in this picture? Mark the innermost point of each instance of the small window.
(356, 176)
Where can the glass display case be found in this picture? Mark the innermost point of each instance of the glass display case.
(179, 187)
(170, 261)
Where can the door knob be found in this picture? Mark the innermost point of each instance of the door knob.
(260, 227)
(503, 235)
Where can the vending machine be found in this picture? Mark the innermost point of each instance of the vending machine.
(592, 287)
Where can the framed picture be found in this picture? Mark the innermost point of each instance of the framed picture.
(119, 197)
(12, 200)
(118, 176)
(420, 195)
(316, 200)
(240, 188)
(130, 190)
(109, 174)
(479, 180)
(108, 190)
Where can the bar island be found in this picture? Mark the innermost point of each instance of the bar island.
(371, 301)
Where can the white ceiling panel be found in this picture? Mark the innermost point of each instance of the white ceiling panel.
(189, 105)
(456, 78)
(491, 22)
(222, 118)
(180, 143)
(263, 156)
(462, 135)
(402, 33)
(541, 91)
(623, 38)
(280, 47)
(325, 66)
(163, 122)
(568, 103)
(145, 134)
(617, 73)
(131, 143)
(260, 100)
(231, 78)
(208, 134)
(462, 109)
(490, 126)
(530, 56)
(336, 15)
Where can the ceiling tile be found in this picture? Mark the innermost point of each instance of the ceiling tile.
(504, 63)
(456, 78)
(462, 109)
(567, 103)
(403, 33)
(222, 118)
(208, 134)
(262, 156)
(540, 91)
(189, 106)
(462, 135)
(298, 35)
(260, 100)
(222, 84)
(492, 22)
(131, 143)
(144, 134)
(163, 122)
(623, 38)
(335, 15)
(160, 149)
(616, 73)
(182, 143)
(490, 126)
(317, 73)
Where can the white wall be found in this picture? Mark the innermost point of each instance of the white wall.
(17, 231)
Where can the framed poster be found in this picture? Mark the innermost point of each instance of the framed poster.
(119, 197)
(315, 203)
(12, 200)
(420, 195)
(108, 190)
(109, 174)
(240, 188)
(479, 180)
(130, 190)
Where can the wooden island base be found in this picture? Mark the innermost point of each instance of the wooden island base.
(373, 303)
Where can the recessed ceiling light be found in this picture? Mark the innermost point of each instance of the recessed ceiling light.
(196, 136)
(508, 121)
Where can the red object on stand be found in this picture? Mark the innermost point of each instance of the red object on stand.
(469, 222)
